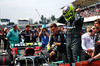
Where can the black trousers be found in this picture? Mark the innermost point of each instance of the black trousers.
(73, 47)
(84, 56)
(5, 44)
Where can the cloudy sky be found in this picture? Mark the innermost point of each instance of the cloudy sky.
(15, 9)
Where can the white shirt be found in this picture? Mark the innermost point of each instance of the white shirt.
(87, 42)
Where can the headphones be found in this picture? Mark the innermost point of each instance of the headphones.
(90, 30)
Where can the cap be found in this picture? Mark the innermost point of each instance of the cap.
(43, 26)
(90, 30)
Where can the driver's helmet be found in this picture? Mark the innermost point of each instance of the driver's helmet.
(68, 12)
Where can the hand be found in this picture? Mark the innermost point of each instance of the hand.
(91, 60)
(48, 45)
(92, 55)
(45, 30)
(89, 53)
(88, 50)
(6, 38)
(41, 29)
(56, 43)
(98, 42)
(78, 9)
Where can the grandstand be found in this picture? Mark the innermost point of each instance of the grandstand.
(90, 10)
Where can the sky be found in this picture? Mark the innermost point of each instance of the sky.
(16, 9)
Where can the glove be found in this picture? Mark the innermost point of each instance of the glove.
(91, 60)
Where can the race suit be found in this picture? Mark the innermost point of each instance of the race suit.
(73, 46)
(74, 38)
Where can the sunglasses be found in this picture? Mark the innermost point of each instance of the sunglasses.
(93, 28)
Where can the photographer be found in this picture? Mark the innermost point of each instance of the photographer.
(44, 34)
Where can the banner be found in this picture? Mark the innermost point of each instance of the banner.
(5, 20)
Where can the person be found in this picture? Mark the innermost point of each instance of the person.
(27, 34)
(74, 26)
(88, 42)
(0, 37)
(35, 34)
(38, 39)
(96, 52)
(44, 33)
(13, 36)
(5, 39)
(57, 40)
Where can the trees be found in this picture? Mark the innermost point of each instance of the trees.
(53, 17)
(46, 20)
(36, 23)
(11, 23)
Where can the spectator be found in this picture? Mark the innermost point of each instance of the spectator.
(91, 11)
(88, 42)
(44, 33)
(27, 33)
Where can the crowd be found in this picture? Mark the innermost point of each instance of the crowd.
(91, 11)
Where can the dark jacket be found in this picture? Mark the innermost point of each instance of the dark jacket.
(59, 37)
(26, 35)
